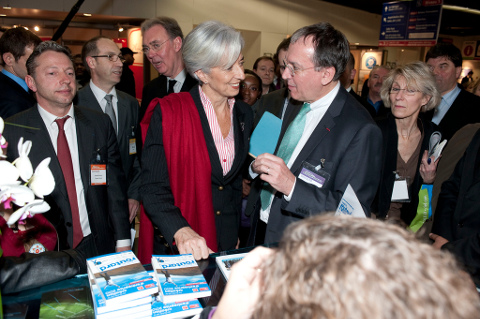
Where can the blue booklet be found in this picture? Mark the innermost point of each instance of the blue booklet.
(121, 277)
(179, 278)
(264, 138)
(173, 310)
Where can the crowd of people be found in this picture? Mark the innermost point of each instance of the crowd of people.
(181, 161)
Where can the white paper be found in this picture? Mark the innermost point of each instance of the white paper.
(400, 190)
(350, 205)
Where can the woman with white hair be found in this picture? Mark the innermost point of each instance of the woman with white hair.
(196, 145)
(407, 91)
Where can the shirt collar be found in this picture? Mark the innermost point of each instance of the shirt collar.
(450, 97)
(49, 118)
(180, 76)
(99, 93)
(326, 100)
(17, 80)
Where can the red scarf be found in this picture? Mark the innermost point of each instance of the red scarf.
(189, 169)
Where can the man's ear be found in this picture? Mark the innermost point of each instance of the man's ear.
(327, 75)
(458, 71)
(90, 62)
(31, 83)
(177, 44)
(352, 74)
(8, 58)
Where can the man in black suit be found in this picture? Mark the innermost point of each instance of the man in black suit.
(88, 205)
(456, 226)
(104, 63)
(339, 144)
(127, 81)
(162, 45)
(16, 45)
(458, 107)
(346, 79)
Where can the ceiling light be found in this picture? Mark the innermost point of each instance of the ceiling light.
(26, 28)
(2, 15)
(7, 7)
(120, 29)
(87, 14)
(36, 28)
(462, 9)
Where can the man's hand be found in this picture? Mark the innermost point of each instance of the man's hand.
(189, 242)
(133, 207)
(428, 171)
(124, 248)
(273, 170)
(243, 287)
(439, 240)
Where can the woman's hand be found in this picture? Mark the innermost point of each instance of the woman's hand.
(428, 170)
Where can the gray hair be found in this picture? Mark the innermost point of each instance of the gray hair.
(169, 24)
(211, 44)
(418, 76)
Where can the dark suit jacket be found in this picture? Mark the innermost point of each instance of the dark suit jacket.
(464, 110)
(457, 217)
(366, 105)
(273, 103)
(106, 205)
(158, 88)
(226, 191)
(349, 142)
(13, 98)
(127, 81)
(127, 119)
(382, 201)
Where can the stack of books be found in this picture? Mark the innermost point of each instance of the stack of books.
(122, 288)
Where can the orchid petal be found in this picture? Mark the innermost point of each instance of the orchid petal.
(37, 206)
(8, 172)
(21, 195)
(42, 182)
(2, 125)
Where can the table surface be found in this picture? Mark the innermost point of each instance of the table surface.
(14, 303)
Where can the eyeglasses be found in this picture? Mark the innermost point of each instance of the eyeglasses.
(294, 69)
(155, 46)
(407, 91)
(111, 57)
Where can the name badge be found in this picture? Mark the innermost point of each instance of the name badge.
(132, 146)
(98, 174)
(400, 191)
(314, 175)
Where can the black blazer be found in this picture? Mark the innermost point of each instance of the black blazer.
(389, 164)
(13, 98)
(127, 119)
(464, 110)
(366, 105)
(158, 88)
(273, 103)
(227, 191)
(106, 205)
(457, 217)
(349, 142)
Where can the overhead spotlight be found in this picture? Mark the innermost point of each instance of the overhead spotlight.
(87, 14)
(26, 28)
(7, 7)
(2, 15)
(36, 28)
(120, 29)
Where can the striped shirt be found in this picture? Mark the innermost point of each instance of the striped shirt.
(225, 146)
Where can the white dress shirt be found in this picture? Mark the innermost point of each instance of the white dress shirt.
(100, 96)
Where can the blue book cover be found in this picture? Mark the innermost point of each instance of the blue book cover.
(179, 278)
(264, 138)
(120, 277)
(174, 310)
(114, 311)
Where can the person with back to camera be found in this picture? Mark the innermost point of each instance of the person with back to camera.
(342, 267)
(408, 90)
(192, 163)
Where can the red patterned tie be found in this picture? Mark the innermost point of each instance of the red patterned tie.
(65, 159)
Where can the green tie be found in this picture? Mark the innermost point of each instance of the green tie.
(287, 146)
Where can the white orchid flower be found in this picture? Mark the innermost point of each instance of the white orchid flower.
(42, 182)
(3, 141)
(9, 173)
(37, 206)
(23, 162)
(18, 194)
